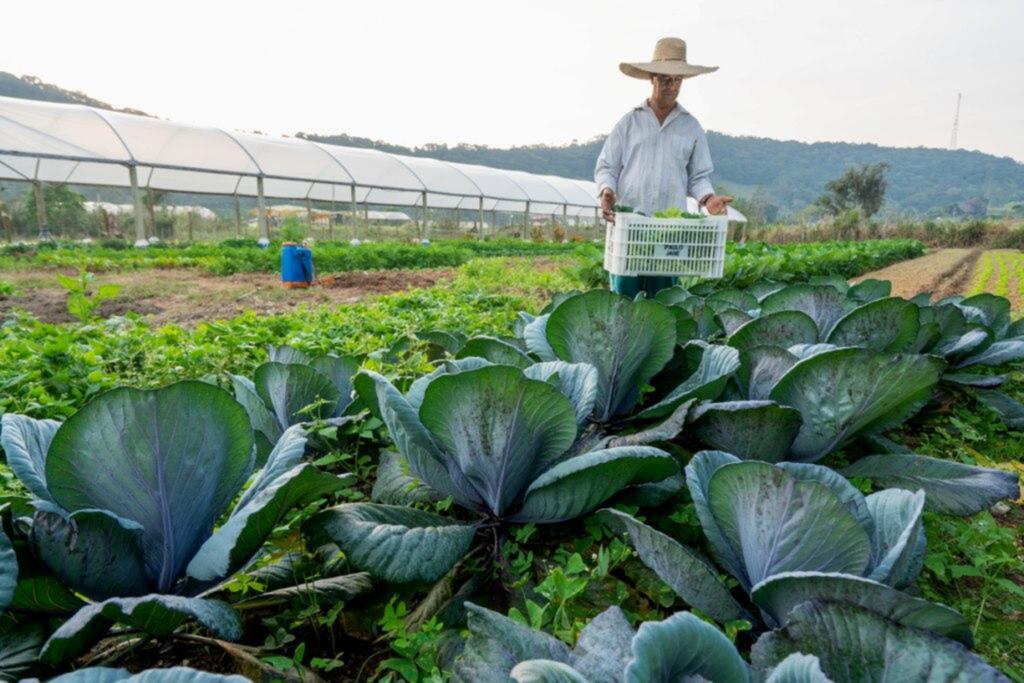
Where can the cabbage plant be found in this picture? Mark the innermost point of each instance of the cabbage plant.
(176, 674)
(679, 648)
(141, 505)
(497, 440)
(969, 333)
(20, 636)
(804, 402)
(291, 388)
(819, 368)
(972, 334)
(823, 642)
(853, 643)
(793, 532)
(631, 344)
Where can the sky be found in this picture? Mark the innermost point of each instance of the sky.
(529, 72)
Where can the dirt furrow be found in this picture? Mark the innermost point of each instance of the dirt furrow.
(957, 279)
(944, 272)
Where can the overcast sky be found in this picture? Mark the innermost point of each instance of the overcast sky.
(528, 72)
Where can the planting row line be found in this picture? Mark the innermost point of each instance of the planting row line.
(745, 263)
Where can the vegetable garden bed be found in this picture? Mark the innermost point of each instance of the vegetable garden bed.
(236, 256)
(745, 262)
(473, 495)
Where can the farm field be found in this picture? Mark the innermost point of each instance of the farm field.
(944, 272)
(1000, 272)
(188, 289)
(402, 520)
(189, 296)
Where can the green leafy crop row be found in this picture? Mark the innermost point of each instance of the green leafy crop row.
(235, 256)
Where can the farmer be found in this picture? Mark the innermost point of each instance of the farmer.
(657, 154)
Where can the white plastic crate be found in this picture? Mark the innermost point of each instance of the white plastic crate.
(640, 245)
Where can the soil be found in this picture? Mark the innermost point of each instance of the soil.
(943, 272)
(187, 297)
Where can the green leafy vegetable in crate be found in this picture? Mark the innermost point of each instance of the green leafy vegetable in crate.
(676, 213)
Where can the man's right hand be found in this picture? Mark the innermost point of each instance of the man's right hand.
(608, 204)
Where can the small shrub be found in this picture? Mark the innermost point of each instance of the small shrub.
(82, 300)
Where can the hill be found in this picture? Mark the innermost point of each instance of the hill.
(785, 174)
(32, 88)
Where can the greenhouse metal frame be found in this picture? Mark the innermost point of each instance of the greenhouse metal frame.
(43, 142)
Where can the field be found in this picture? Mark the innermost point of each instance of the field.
(440, 465)
(1000, 272)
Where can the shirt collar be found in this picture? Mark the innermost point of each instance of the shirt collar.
(678, 110)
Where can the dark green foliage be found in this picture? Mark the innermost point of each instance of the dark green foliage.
(860, 187)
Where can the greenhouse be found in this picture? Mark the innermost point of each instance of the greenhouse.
(42, 142)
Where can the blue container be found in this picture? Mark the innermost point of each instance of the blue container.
(296, 265)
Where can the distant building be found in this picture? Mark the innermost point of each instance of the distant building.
(199, 211)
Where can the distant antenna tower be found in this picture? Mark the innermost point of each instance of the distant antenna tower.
(956, 122)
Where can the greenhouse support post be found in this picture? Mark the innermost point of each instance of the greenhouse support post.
(330, 217)
(150, 213)
(309, 214)
(526, 221)
(423, 215)
(354, 214)
(44, 229)
(261, 209)
(238, 216)
(140, 222)
(480, 228)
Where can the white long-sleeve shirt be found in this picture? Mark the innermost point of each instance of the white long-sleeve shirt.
(651, 166)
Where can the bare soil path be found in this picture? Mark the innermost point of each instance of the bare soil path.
(944, 272)
(183, 296)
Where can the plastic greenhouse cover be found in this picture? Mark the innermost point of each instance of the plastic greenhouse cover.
(67, 143)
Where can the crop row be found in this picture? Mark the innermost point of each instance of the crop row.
(753, 261)
(745, 262)
(147, 511)
(243, 256)
(999, 272)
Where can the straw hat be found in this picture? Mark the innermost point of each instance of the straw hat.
(669, 60)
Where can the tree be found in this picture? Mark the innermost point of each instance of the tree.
(860, 187)
(65, 209)
(759, 211)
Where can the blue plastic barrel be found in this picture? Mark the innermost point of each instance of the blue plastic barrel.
(296, 265)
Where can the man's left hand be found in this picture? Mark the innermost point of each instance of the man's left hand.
(717, 203)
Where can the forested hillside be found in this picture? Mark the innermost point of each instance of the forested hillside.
(788, 174)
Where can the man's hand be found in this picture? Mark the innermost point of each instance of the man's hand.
(608, 204)
(717, 203)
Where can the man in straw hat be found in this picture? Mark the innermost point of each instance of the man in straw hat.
(657, 154)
